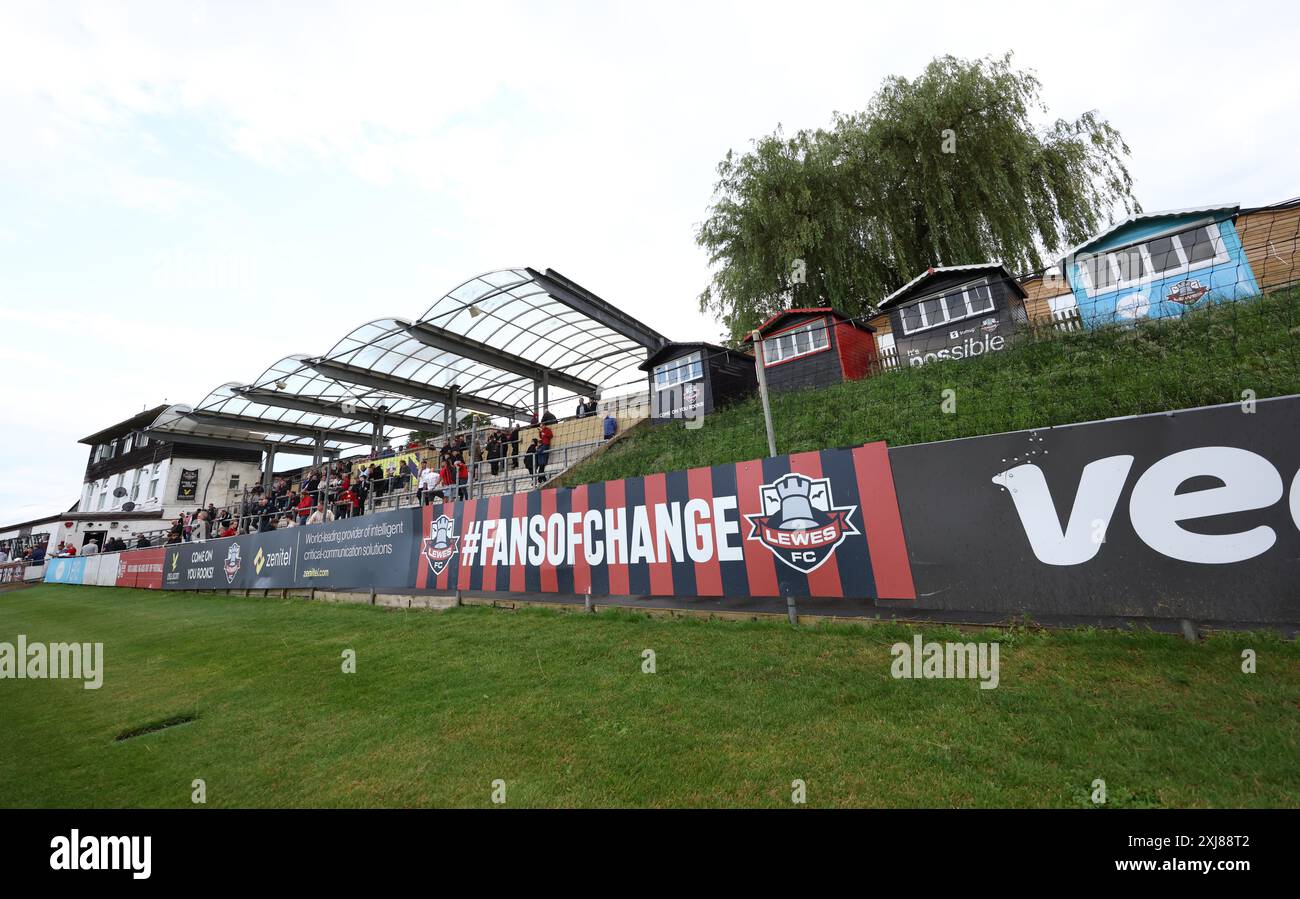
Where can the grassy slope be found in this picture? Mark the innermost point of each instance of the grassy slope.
(1207, 357)
(557, 706)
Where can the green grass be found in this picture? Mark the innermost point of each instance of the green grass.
(1206, 357)
(557, 706)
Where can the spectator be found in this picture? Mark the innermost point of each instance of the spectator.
(462, 478)
(544, 437)
(90, 548)
(494, 452)
(230, 530)
(142, 542)
(288, 521)
(530, 456)
(514, 446)
(38, 554)
(362, 489)
(447, 476)
(199, 528)
(304, 508)
(320, 516)
(610, 425)
(347, 504)
(547, 417)
(430, 482)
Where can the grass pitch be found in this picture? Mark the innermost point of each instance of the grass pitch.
(557, 706)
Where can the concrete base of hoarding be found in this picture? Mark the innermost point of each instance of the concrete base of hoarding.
(805, 612)
(436, 602)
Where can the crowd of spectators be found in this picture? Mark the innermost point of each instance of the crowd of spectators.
(331, 491)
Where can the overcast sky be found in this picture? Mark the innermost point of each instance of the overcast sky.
(191, 191)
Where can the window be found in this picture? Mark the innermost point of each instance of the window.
(135, 484)
(801, 341)
(675, 371)
(126, 444)
(973, 299)
(153, 483)
(234, 482)
(1154, 260)
(141, 440)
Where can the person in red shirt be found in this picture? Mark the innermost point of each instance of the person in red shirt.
(544, 436)
(229, 530)
(347, 504)
(462, 478)
(304, 508)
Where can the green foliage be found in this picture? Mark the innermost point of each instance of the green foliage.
(1047, 378)
(946, 169)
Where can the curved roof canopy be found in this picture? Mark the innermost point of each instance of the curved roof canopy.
(490, 346)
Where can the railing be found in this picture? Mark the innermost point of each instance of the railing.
(510, 478)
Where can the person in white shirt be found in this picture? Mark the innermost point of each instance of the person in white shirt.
(199, 528)
(430, 481)
(318, 518)
(90, 548)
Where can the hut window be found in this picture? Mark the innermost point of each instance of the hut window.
(801, 341)
(1161, 257)
(973, 299)
(678, 371)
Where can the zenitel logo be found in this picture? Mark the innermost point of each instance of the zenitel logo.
(1157, 509)
(278, 559)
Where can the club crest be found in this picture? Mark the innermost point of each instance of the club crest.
(232, 563)
(800, 523)
(440, 546)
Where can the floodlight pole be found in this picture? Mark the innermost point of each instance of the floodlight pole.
(757, 339)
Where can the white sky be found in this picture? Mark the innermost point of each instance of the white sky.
(191, 191)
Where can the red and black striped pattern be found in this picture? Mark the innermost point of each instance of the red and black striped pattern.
(681, 533)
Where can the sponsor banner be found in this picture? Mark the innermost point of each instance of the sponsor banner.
(255, 561)
(188, 486)
(374, 551)
(371, 551)
(817, 524)
(141, 568)
(12, 572)
(1193, 514)
(65, 571)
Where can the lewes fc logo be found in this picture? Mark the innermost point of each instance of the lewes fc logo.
(233, 561)
(799, 524)
(440, 546)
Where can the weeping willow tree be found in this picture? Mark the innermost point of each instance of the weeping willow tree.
(946, 169)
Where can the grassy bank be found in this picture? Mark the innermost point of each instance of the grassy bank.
(1209, 356)
(558, 707)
